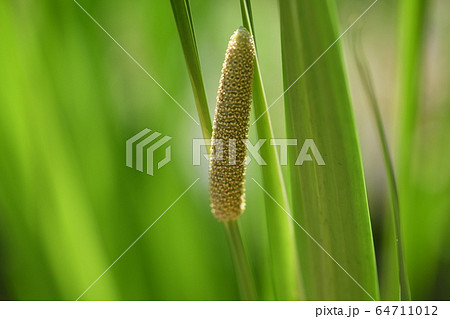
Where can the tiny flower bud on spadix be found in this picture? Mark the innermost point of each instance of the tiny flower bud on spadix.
(230, 129)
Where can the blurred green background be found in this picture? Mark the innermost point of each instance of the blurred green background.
(70, 98)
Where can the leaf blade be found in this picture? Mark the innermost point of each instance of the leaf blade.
(329, 201)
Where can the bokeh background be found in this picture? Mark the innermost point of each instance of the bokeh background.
(70, 98)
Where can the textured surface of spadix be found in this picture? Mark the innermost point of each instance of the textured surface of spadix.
(227, 174)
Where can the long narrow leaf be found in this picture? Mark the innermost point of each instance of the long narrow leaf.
(329, 201)
(183, 19)
(422, 210)
(366, 79)
(285, 271)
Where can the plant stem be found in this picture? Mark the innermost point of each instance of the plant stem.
(183, 19)
(241, 265)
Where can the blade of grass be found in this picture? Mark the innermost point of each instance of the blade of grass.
(329, 201)
(411, 35)
(366, 79)
(183, 19)
(421, 210)
(285, 270)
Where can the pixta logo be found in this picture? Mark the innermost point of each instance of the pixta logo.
(308, 151)
(141, 147)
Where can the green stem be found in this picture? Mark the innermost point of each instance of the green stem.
(241, 265)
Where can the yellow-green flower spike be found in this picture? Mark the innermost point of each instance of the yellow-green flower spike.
(230, 128)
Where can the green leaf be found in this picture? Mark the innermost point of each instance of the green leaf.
(423, 196)
(411, 31)
(183, 19)
(366, 79)
(329, 201)
(285, 270)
